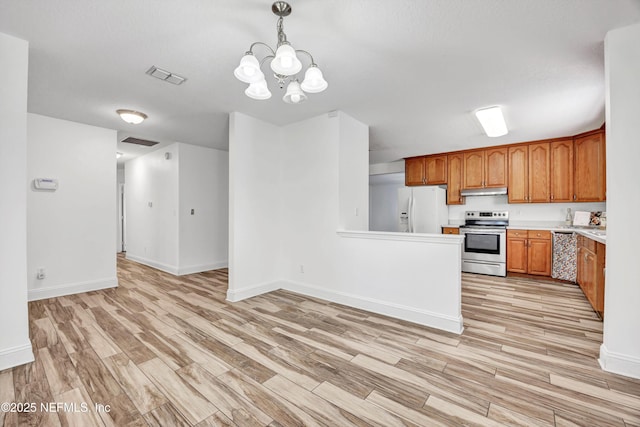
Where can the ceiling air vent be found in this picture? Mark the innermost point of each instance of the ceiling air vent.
(165, 75)
(138, 141)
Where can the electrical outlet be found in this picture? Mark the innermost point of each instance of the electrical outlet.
(40, 274)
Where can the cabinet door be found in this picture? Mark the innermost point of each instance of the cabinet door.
(539, 164)
(473, 170)
(539, 257)
(561, 185)
(589, 152)
(454, 179)
(496, 167)
(518, 174)
(601, 260)
(591, 271)
(435, 169)
(517, 251)
(414, 171)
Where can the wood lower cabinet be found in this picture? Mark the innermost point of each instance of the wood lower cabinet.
(454, 179)
(591, 258)
(590, 168)
(426, 170)
(517, 251)
(529, 252)
(450, 230)
(539, 253)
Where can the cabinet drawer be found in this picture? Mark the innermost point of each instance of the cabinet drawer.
(539, 234)
(450, 230)
(517, 233)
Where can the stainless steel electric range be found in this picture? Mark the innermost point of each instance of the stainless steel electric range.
(485, 243)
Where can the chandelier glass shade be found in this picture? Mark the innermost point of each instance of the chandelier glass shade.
(284, 63)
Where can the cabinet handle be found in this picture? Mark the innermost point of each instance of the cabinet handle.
(552, 197)
(574, 197)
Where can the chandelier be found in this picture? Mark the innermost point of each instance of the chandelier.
(284, 64)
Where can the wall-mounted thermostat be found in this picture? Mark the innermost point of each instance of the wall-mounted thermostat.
(46, 184)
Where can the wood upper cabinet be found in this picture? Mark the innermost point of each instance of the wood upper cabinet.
(454, 179)
(529, 252)
(485, 168)
(518, 174)
(426, 170)
(473, 170)
(590, 168)
(561, 180)
(496, 167)
(414, 171)
(529, 173)
(435, 169)
(539, 171)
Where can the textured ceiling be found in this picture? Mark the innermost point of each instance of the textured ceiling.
(414, 71)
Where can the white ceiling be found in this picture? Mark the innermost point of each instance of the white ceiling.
(413, 70)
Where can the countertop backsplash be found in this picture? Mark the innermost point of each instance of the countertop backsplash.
(521, 212)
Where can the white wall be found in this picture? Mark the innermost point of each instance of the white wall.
(555, 212)
(324, 182)
(203, 188)
(255, 206)
(151, 200)
(70, 230)
(15, 347)
(620, 351)
(161, 189)
(353, 170)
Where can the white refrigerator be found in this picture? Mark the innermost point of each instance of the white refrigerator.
(422, 209)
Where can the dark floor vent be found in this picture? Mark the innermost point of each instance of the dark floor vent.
(138, 141)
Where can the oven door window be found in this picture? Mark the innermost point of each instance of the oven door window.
(482, 243)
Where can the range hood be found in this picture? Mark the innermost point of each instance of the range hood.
(484, 191)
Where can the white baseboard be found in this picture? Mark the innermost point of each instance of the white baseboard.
(411, 314)
(172, 269)
(71, 288)
(617, 363)
(200, 268)
(236, 295)
(175, 270)
(16, 356)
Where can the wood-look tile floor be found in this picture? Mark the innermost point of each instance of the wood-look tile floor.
(169, 351)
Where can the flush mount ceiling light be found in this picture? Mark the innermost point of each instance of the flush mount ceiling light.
(492, 121)
(285, 65)
(131, 116)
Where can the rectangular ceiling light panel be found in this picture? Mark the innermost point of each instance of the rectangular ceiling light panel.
(165, 75)
(492, 121)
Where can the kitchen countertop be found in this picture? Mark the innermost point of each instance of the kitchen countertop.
(594, 233)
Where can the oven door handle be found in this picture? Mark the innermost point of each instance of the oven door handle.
(497, 232)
